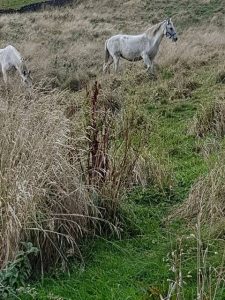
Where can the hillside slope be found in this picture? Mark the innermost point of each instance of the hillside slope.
(68, 44)
(65, 49)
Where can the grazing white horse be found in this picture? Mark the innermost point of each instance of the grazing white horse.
(11, 58)
(137, 47)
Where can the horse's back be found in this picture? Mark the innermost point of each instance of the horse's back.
(127, 46)
(113, 43)
(113, 39)
(10, 56)
(125, 37)
(12, 51)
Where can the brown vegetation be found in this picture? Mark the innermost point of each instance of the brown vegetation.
(67, 158)
(205, 203)
(210, 119)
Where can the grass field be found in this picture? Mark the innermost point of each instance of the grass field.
(152, 253)
(138, 266)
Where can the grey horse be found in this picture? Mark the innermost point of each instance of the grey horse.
(137, 47)
(11, 58)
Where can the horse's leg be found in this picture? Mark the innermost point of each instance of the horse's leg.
(148, 63)
(5, 80)
(116, 62)
(4, 76)
(152, 68)
(107, 65)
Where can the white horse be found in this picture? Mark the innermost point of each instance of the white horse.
(136, 47)
(11, 58)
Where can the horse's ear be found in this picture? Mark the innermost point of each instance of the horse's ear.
(168, 20)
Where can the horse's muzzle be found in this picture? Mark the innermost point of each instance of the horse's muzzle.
(175, 39)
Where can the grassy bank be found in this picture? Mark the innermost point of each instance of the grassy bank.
(140, 266)
(148, 260)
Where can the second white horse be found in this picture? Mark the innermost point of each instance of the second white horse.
(11, 58)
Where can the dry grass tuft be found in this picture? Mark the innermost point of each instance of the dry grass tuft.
(43, 196)
(210, 119)
(196, 46)
(220, 78)
(66, 161)
(118, 146)
(205, 202)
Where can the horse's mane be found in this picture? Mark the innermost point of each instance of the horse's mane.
(154, 29)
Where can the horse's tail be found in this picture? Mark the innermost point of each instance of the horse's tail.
(107, 54)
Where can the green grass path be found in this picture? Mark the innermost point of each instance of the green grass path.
(136, 267)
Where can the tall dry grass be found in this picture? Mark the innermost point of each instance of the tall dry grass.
(43, 196)
(66, 162)
(197, 47)
(206, 199)
(118, 152)
(210, 119)
(46, 196)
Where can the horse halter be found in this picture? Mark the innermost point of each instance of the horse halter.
(170, 35)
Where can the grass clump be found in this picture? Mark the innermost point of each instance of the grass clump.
(39, 203)
(66, 163)
(205, 200)
(220, 78)
(210, 120)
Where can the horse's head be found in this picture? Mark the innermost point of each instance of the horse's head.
(26, 76)
(170, 30)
